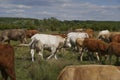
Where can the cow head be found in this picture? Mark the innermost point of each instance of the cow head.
(67, 42)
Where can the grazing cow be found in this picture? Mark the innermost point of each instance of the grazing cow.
(7, 61)
(114, 33)
(94, 45)
(45, 41)
(104, 35)
(30, 33)
(114, 49)
(89, 72)
(90, 32)
(13, 34)
(79, 43)
(72, 36)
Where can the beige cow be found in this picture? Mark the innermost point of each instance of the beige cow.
(90, 72)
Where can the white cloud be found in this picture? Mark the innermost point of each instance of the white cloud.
(7, 6)
(61, 9)
(15, 11)
(23, 6)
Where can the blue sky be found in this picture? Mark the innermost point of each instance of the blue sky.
(62, 9)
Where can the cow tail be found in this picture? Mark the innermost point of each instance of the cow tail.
(31, 44)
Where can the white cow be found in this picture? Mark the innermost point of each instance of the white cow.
(104, 35)
(39, 42)
(72, 37)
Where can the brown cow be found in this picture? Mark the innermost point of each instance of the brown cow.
(115, 38)
(108, 36)
(90, 72)
(7, 61)
(95, 45)
(30, 33)
(90, 32)
(114, 33)
(114, 48)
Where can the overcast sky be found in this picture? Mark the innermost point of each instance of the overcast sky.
(62, 9)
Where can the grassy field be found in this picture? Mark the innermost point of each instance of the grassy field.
(43, 69)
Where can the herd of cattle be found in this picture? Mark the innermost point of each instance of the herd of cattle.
(105, 44)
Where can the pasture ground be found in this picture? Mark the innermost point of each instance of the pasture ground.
(43, 69)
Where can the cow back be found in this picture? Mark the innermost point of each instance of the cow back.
(95, 45)
(89, 72)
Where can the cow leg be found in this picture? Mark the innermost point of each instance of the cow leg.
(25, 40)
(105, 58)
(11, 73)
(81, 54)
(53, 53)
(4, 74)
(50, 56)
(100, 56)
(55, 56)
(41, 53)
(32, 54)
(91, 57)
(97, 56)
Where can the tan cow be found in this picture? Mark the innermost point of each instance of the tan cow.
(90, 72)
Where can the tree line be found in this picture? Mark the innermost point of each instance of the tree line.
(53, 24)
